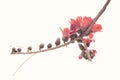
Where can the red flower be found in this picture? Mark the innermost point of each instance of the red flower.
(86, 21)
(65, 32)
(75, 24)
(91, 36)
(87, 40)
(96, 28)
(80, 22)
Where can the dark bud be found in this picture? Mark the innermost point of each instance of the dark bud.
(87, 44)
(41, 46)
(79, 32)
(85, 55)
(19, 49)
(79, 40)
(91, 55)
(13, 51)
(57, 42)
(29, 48)
(49, 45)
(65, 39)
(73, 36)
(81, 47)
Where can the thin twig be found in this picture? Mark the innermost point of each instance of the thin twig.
(22, 64)
(86, 32)
(56, 47)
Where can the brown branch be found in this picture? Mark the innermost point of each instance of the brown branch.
(56, 47)
(97, 17)
(93, 22)
(86, 32)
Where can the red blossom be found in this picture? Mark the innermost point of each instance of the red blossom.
(91, 36)
(65, 32)
(87, 40)
(86, 21)
(93, 52)
(75, 24)
(96, 28)
(80, 23)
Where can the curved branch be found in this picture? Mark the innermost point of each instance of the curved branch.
(86, 32)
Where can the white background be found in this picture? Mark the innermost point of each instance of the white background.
(30, 22)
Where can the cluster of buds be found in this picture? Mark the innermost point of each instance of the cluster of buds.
(41, 47)
(76, 32)
(84, 52)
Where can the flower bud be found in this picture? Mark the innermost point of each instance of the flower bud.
(57, 42)
(29, 48)
(73, 36)
(81, 47)
(41, 46)
(85, 55)
(49, 45)
(65, 39)
(87, 44)
(79, 40)
(92, 53)
(79, 32)
(80, 56)
(13, 51)
(19, 50)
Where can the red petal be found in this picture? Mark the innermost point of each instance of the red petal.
(94, 52)
(90, 35)
(65, 32)
(87, 40)
(79, 20)
(72, 21)
(86, 21)
(96, 28)
(80, 56)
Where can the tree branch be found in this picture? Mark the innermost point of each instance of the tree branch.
(67, 43)
(97, 17)
(86, 32)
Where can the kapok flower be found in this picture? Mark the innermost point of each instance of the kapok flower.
(90, 35)
(96, 28)
(65, 32)
(75, 24)
(87, 41)
(86, 21)
(80, 23)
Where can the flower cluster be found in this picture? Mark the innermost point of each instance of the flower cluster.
(76, 32)
(80, 25)
(77, 28)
